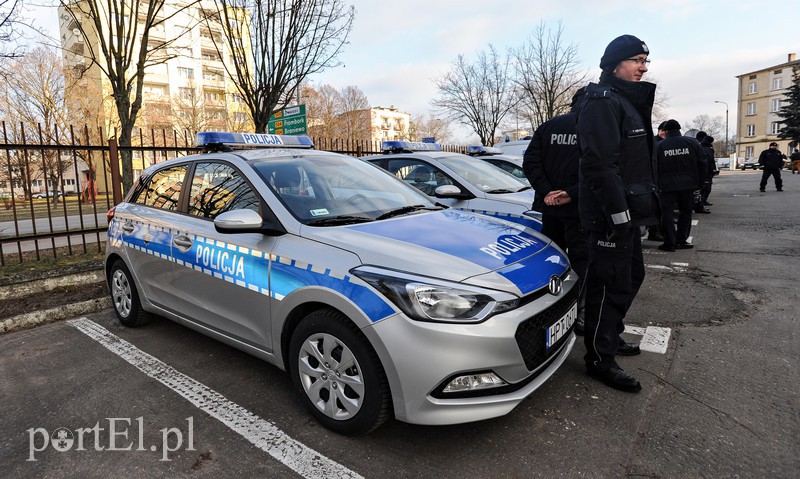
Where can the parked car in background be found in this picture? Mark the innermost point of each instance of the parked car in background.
(507, 162)
(46, 194)
(723, 163)
(514, 147)
(750, 164)
(459, 181)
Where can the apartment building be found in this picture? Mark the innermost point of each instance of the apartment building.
(761, 94)
(389, 123)
(188, 91)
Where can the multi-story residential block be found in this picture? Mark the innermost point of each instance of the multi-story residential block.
(389, 123)
(189, 90)
(761, 94)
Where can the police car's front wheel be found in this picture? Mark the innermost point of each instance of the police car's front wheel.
(125, 297)
(338, 374)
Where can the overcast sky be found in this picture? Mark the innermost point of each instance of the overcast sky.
(397, 49)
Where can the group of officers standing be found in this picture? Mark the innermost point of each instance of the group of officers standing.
(600, 174)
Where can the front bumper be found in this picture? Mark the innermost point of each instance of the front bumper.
(418, 357)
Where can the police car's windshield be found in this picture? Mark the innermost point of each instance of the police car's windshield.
(322, 190)
(484, 176)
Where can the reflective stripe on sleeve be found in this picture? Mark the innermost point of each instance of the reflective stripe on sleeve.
(619, 218)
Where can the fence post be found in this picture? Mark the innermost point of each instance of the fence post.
(116, 180)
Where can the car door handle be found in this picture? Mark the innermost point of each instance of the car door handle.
(128, 228)
(183, 242)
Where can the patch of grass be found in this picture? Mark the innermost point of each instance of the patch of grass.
(51, 263)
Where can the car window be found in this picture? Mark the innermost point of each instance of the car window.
(481, 174)
(163, 189)
(216, 188)
(419, 174)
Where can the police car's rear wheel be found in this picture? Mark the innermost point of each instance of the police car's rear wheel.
(338, 374)
(125, 297)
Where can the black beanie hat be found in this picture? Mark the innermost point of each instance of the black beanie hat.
(662, 125)
(620, 48)
(700, 135)
(672, 125)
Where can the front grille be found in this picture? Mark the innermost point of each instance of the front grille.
(530, 334)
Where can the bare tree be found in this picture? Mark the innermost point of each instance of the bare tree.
(10, 25)
(355, 119)
(547, 74)
(430, 127)
(276, 44)
(323, 106)
(117, 36)
(36, 97)
(477, 94)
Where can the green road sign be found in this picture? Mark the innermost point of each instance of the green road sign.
(289, 121)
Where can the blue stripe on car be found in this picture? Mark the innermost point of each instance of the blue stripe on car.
(248, 268)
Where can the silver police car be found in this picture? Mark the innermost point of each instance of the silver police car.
(459, 181)
(377, 301)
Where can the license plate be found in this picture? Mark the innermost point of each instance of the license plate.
(558, 329)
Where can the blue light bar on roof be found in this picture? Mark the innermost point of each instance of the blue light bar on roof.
(483, 150)
(408, 146)
(212, 139)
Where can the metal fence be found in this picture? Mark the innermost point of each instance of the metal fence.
(55, 192)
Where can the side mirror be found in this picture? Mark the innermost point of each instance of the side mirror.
(245, 221)
(448, 191)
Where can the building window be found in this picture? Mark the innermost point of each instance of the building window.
(212, 75)
(752, 87)
(69, 182)
(776, 104)
(186, 93)
(212, 96)
(240, 116)
(187, 73)
(776, 126)
(751, 130)
(751, 108)
(777, 83)
(748, 153)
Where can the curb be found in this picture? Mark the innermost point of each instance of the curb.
(37, 318)
(39, 285)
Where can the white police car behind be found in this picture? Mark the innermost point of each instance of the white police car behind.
(459, 181)
(495, 156)
(375, 300)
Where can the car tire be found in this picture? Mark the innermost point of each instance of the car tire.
(125, 297)
(338, 374)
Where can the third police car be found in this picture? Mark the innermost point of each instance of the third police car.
(377, 301)
(505, 161)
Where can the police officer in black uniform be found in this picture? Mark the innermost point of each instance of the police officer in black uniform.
(771, 160)
(705, 188)
(617, 195)
(681, 171)
(551, 165)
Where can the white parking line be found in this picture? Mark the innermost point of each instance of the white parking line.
(261, 433)
(654, 339)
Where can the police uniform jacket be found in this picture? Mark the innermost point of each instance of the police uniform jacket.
(771, 159)
(680, 163)
(617, 171)
(707, 148)
(551, 163)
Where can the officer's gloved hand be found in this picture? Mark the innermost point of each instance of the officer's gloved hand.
(619, 231)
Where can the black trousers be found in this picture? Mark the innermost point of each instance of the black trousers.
(776, 172)
(684, 200)
(567, 233)
(616, 272)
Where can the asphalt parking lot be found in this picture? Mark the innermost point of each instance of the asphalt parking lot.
(89, 397)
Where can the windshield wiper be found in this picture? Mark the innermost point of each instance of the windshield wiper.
(501, 190)
(406, 209)
(339, 220)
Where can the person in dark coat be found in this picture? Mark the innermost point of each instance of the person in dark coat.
(771, 161)
(795, 157)
(681, 171)
(617, 195)
(699, 204)
(551, 165)
(707, 147)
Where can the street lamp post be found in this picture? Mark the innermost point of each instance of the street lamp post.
(727, 150)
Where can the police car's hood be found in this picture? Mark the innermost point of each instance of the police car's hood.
(457, 246)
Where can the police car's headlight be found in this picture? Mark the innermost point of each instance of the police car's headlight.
(428, 299)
